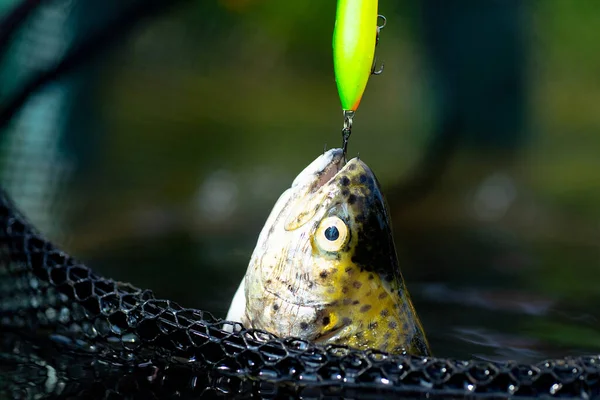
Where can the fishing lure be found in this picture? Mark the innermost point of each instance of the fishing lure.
(355, 37)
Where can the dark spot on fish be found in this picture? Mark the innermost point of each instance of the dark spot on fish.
(326, 321)
(382, 295)
(358, 335)
(363, 178)
(347, 302)
(271, 230)
(323, 274)
(371, 277)
(268, 282)
(369, 293)
(349, 270)
(392, 325)
(387, 336)
(352, 167)
(372, 325)
(384, 313)
(351, 199)
(345, 181)
(357, 284)
(344, 289)
(355, 302)
(334, 303)
(405, 327)
(346, 321)
(309, 284)
(275, 307)
(338, 257)
(345, 193)
(303, 325)
(365, 308)
(396, 305)
(372, 250)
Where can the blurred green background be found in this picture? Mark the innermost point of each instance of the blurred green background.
(158, 163)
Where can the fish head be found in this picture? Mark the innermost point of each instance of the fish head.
(351, 224)
(325, 265)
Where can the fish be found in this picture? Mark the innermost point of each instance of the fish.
(325, 267)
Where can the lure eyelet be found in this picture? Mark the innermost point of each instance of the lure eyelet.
(383, 22)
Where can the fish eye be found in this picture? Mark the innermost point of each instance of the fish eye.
(332, 234)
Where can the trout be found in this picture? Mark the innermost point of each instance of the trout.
(325, 267)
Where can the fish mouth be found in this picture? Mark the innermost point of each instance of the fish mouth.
(330, 171)
(331, 334)
(323, 169)
(335, 166)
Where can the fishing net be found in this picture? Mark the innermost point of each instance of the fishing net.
(68, 332)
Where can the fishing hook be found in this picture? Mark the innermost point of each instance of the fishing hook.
(378, 71)
(375, 71)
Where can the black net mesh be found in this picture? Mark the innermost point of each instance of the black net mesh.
(67, 331)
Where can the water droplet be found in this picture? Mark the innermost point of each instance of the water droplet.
(102, 326)
(113, 339)
(51, 314)
(33, 283)
(61, 339)
(83, 345)
(89, 330)
(51, 380)
(132, 320)
(130, 338)
(64, 315)
(130, 341)
(108, 305)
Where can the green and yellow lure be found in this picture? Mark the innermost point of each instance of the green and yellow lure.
(354, 39)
